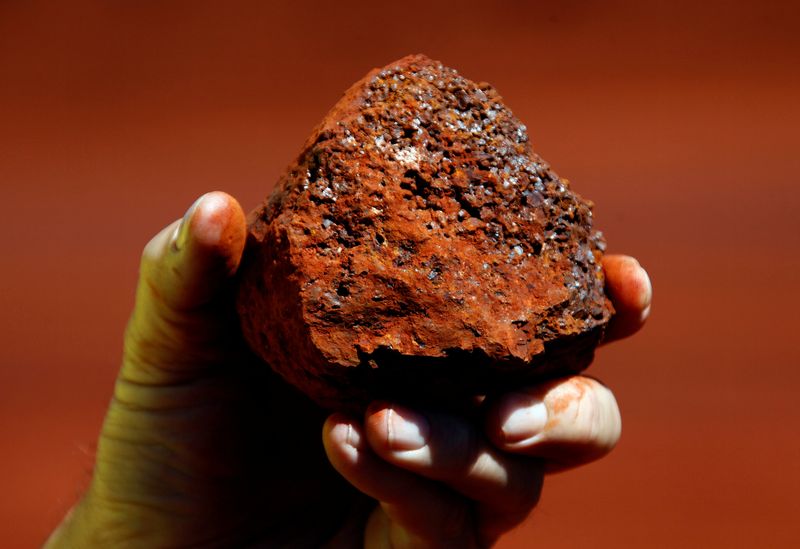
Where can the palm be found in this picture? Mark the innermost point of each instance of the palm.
(239, 461)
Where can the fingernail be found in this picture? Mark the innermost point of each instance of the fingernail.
(352, 438)
(347, 439)
(527, 417)
(407, 430)
(182, 230)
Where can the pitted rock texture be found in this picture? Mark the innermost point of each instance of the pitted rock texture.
(419, 249)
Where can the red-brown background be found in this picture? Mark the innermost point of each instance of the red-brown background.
(679, 119)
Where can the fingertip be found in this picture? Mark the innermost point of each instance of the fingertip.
(641, 287)
(579, 422)
(216, 223)
(215, 213)
(184, 267)
(336, 426)
(629, 288)
(375, 416)
(342, 440)
(628, 283)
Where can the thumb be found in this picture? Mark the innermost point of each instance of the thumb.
(180, 323)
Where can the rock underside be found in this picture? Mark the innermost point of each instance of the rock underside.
(418, 249)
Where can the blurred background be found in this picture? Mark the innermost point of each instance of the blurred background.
(680, 120)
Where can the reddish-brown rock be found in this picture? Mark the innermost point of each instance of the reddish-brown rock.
(419, 249)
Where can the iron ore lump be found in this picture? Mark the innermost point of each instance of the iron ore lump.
(418, 249)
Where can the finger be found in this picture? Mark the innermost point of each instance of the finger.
(567, 422)
(176, 327)
(416, 508)
(186, 264)
(628, 286)
(451, 450)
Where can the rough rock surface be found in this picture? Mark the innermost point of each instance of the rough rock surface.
(419, 249)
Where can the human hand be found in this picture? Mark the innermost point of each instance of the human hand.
(202, 445)
(445, 481)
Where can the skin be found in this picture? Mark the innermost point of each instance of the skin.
(204, 447)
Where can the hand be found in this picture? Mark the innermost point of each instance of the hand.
(445, 481)
(204, 446)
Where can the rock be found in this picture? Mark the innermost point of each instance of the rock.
(418, 249)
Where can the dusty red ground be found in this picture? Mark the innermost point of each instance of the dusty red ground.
(679, 121)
